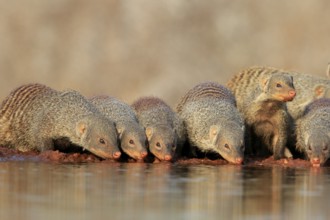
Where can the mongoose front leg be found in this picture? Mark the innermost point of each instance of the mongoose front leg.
(279, 141)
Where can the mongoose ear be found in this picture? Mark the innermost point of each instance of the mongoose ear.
(319, 91)
(263, 83)
(149, 132)
(214, 130)
(81, 128)
(307, 139)
(120, 132)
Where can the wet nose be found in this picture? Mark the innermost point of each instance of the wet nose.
(144, 154)
(292, 93)
(168, 157)
(316, 160)
(116, 154)
(239, 160)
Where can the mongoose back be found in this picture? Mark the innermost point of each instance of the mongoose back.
(34, 115)
(132, 137)
(164, 129)
(212, 121)
(308, 88)
(313, 132)
(261, 94)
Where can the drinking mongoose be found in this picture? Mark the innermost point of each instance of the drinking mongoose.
(212, 121)
(132, 137)
(34, 115)
(313, 132)
(261, 94)
(164, 128)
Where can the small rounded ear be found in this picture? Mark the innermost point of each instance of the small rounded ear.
(214, 131)
(120, 132)
(149, 132)
(81, 128)
(319, 91)
(307, 139)
(263, 83)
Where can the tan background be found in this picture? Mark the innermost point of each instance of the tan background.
(134, 48)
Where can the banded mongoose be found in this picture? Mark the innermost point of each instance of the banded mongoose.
(164, 128)
(261, 94)
(212, 121)
(33, 116)
(132, 137)
(313, 132)
(308, 89)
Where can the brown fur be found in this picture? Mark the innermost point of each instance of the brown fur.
(33, 116)
(261, 94)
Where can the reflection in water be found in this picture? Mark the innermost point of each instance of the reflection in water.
(30, 190)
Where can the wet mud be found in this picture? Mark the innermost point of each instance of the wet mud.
(7, 154)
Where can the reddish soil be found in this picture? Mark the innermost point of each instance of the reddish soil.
(60, 157)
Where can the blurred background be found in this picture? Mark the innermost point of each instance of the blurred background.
(130, 49)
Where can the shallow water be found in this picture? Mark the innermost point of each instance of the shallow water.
(35, 190)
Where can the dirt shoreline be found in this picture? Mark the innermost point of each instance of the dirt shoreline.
(7, 154)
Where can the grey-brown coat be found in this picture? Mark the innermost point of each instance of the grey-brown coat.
(261, 94)
(164, 128)
(34, 115)
(212, 121)
(313, 132)
(132, 137)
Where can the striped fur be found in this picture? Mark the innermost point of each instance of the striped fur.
(34, 115)
(309, 88)
(131, 134)
(206, 89)
(261, 94)
(163, 127)
(313, 132)
(212, 121)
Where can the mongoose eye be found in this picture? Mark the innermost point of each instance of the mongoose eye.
(325, 148)
(309, 148)
(131, 141)
(242, 148)
(173, 147)
(227, 146)
(278, 85)
(102, 141)
(158, 145)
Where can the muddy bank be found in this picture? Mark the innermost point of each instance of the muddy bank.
(85, 157)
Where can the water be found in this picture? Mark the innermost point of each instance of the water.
(32, 190)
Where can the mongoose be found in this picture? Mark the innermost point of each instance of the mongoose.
(212, 121)
(308, 89)
(132, 137)
(34, 115)
(313, 132)
(164, 128)
(261, 94)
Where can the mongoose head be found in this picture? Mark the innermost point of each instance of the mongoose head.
(133, 142)
(162, 142)
(317, 148)
(279, 87)
(228, 141)
(98, 135)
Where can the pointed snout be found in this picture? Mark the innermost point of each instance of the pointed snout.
(316, 162)
(167, 157)
(239, 160)
(292, 93)
(144, 154)
(116, 154)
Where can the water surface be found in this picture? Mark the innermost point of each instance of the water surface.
(34, 190)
